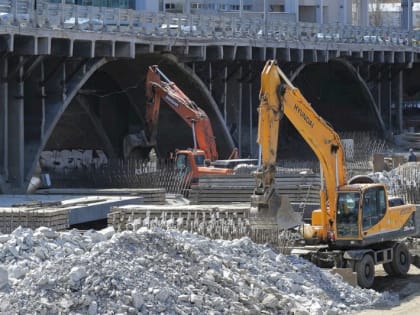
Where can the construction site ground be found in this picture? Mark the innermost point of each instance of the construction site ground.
(407, 287)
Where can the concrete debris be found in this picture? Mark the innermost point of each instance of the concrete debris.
(154, 271)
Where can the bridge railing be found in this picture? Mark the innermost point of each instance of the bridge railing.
(273, 27)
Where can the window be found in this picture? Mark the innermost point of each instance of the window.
(169, 6)
(373, 207)
(199, 160)
(348, 214)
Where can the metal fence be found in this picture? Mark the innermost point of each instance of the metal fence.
(122, 174)
(272, 27)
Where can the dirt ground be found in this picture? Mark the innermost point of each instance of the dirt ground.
(407, 287)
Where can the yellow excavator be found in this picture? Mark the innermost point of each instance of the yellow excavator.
(358, 223)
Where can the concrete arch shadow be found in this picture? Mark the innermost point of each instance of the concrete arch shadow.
(365, 91)
(54, 111)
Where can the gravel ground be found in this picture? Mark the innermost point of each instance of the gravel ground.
(170, 272)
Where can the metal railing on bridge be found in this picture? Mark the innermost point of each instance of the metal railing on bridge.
(270, 27)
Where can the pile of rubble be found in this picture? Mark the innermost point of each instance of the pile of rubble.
(158, 271)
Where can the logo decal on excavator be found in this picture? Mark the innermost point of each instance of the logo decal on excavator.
(303, 116)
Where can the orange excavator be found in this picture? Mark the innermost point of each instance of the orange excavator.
(196, 161)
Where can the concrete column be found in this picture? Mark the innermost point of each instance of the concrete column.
(344, 12)
(233, 99)
(399, 100)
(239, 104)
(16, 129)
(379, 92)
(292, 6)
(252, 112)
(407, 15)
(364, 13)
(225, 90)
(391, 127)
(4, 136)
(320, 11)
(187, 7)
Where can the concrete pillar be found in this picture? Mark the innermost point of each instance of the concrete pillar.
(399, 100)
(379, 92)
(187, 7)
(239, 104)
(16, 128)
(252, 112)
(344, 12)
(391, 127)
(407, 14)
(4, 136)
(292, 6)
(320, 11)
(364, 13)
(233, 98)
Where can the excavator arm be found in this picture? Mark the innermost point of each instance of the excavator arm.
(159, 87)
(279, 97)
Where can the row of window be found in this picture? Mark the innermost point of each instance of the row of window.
(211, 6)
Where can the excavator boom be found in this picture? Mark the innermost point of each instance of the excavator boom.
(159, 87)
(279, 97)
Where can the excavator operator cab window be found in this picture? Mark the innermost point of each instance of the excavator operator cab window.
(347, 214)
(199, 159)
(374, 206)
(182, 162)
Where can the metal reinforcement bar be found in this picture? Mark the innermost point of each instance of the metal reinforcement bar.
(216, 222)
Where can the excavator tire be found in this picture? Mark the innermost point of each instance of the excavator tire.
(389, 269)
(365, 269)
(401, 260)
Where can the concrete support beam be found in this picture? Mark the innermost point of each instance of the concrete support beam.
(292, 6)
(319, 11)
(407, 14)
(16, 129)
(364, 13)
(389, 99)
(399, 100)
(4, 123)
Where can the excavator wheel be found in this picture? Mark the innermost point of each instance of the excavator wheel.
(365, 270)
(389, 269)
(401, 260)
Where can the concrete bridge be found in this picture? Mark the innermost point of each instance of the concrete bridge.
(73, 76)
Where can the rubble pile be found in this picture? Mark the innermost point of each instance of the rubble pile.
(164, 271)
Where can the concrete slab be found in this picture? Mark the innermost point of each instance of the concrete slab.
(59, 211)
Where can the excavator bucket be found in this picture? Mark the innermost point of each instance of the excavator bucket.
(273, 212)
